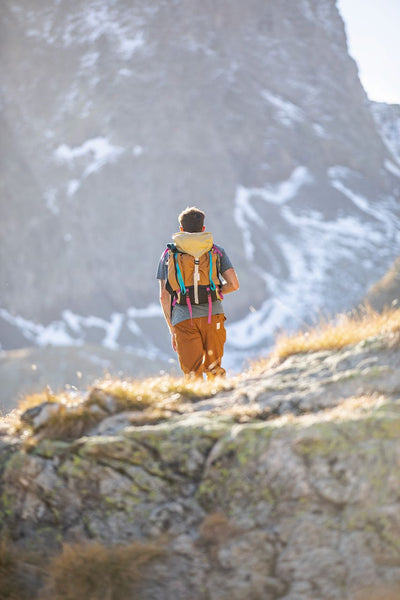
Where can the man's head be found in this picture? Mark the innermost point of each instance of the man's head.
(192, 220)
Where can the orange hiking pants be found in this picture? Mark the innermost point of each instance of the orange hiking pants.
(200, 345)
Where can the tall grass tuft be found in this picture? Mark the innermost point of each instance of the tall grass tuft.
(149, 401)
(10, 587)
(18, 577)
(131, 394)
(336, 334)
(94, 572)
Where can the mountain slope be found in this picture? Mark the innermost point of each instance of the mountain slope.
(118, 116)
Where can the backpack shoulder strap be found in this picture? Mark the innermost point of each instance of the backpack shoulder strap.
(178, 273)
(218, 252)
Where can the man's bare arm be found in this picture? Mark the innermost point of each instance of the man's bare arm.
(232, 282)
(165, 301)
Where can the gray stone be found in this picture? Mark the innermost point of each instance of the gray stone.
(37, 416)
(298, 506)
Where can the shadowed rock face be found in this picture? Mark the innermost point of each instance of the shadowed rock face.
(115, 117)
(299, 503)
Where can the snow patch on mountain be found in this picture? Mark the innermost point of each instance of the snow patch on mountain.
(89, 60)
(381, 211)
(72, 329)
(286, 112)
(247, 217)
(54, 334)
(50, 198)
(94, 20)
(311, 248)
(99, 150)
(392, 168)
(387, 121)
(95, 153)
(112, 328)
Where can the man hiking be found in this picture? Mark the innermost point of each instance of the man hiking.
(194, 275)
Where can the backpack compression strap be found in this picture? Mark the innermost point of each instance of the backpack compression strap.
(212, 284)
(181, 282)
(196, 278)
(179, 273)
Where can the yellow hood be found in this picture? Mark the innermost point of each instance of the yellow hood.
(195, 244)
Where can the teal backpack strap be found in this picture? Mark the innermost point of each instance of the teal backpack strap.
(179, 274)
(212, 284)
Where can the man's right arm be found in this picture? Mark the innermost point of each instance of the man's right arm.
(232, 282)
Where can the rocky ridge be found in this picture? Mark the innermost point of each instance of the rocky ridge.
(282, 485)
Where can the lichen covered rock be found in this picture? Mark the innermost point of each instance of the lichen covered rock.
(294, 507)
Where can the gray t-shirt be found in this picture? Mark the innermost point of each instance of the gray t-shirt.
(181, 312)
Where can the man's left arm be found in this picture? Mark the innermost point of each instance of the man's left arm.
(165, 301)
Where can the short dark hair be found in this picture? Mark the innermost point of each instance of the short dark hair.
(192, 219)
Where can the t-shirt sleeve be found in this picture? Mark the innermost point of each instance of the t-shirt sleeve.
(225, 262)
(162, 269)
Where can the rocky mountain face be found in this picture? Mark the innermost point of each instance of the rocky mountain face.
(116, 116)
(387, 120)
(269, 489)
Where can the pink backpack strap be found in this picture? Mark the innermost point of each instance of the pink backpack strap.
(189, 305)
(216, 250)
(209, 305)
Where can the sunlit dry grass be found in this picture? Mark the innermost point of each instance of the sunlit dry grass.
(214, 531)
(148, 401)
(93, 571)
(11, 587)
(383, 592)
(20, 572)
(152, 400)
(339, 332)
(139, 394)
(388, 283)
(87, 570)
(46, 395)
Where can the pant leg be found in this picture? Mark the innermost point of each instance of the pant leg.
(189, 346)
(214, 337)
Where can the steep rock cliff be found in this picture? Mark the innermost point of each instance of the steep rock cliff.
(117, 116)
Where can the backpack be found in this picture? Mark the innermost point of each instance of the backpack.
(193, 270)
